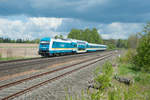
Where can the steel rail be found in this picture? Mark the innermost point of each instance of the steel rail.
(28, 59)
(37, 61)
(55, 78)
(42, 74)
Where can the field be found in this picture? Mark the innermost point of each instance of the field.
(18, 50)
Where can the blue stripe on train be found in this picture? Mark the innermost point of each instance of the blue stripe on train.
(60, 51)
(91, 50)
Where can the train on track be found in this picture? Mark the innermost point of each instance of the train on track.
(55, 47)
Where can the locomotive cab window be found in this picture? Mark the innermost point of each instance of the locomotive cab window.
(44, 43)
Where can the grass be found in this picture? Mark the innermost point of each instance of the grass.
(0, 55)
(114, 90)
(111, 89)
(21, 47)
(126, 69)
(11, 58)
(140, 88)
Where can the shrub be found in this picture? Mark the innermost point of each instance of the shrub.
(128, 57)
(105, 77)
(111, 46)
(143, 78)
(142, 58)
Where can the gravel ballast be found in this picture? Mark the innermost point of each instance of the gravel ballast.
(74, 83)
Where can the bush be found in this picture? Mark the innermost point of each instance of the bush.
(142, 58)
(143, 78)
(111, 46)
(128, 57)
(105, 77)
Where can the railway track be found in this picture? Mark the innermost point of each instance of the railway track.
(30, 59)
(27, 84)
(7, 65)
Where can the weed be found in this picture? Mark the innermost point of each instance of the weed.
(114, 94)
(105, 77)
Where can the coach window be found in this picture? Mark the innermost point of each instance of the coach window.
(75, 45)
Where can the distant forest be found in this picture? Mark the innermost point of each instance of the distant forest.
(91, 36)
(9, 40)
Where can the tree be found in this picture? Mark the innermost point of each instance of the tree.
(37, 40)
(59, 37)
(142, 58)
(75, 34)
(87, 35)
(1, 40)
(96, 37)
(121, 43)
(111, 43)
(91, 36)
(56, 37)
(133, 41)
(19, 41)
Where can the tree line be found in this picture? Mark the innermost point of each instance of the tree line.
(89, 35)
(9, 40)
(130, 42)
(92, 36)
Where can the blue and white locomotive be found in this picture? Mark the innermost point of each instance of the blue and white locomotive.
(52, 47)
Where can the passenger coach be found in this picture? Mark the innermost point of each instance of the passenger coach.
(54, 47)
(95, 47)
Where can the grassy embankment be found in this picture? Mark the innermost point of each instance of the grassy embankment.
(111, 89)
(11, 58)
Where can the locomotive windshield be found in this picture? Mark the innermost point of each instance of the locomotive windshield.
(44, 42)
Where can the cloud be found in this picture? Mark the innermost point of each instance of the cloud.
(113, 36)
(54, 4)
(102, 11)
(30, 19)
(46, 23)
(30, 29)
(1, 33)
(118, 30)
(38, 27)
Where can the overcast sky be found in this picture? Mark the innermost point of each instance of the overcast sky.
(30, 19)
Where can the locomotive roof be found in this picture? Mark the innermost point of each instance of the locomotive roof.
(70, 40)
(62, 40)
(96, 44)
